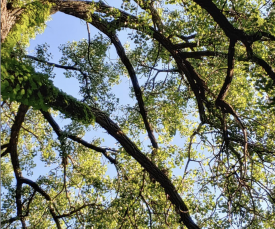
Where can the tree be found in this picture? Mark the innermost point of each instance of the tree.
(207, 59)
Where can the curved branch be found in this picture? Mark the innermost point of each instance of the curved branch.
(230, 67)
(75, 211)
(12, 149)
(36, 187)
(19, 119)
(138, 92)
(58, 131)
(222, 21)
(265, 66)
(53, 64)
(5, 153)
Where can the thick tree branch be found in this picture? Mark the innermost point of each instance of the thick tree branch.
(184, 45)
(230, 67)
(36, 187)
(138, 92)
(5, 146)
(5, 152)
(265, 66)
(200, 54)
(68, 105)
(222, 21)
(125, 60)
(19, 119)
(10, 221)
(12, 148)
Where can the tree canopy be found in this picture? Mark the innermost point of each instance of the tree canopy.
(200, 71)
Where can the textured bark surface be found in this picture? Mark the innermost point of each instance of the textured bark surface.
(9, 16)
(4, 20)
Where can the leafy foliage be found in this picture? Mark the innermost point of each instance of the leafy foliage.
(198, 142)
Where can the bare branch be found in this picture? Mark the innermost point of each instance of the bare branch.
(76, 210)
(53, 64)
(58, 131)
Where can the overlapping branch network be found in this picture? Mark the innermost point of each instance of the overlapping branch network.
(208, 103)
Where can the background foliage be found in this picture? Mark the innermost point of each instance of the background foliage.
(201, 72)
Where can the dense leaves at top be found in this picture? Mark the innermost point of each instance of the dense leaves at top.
(195, 149)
